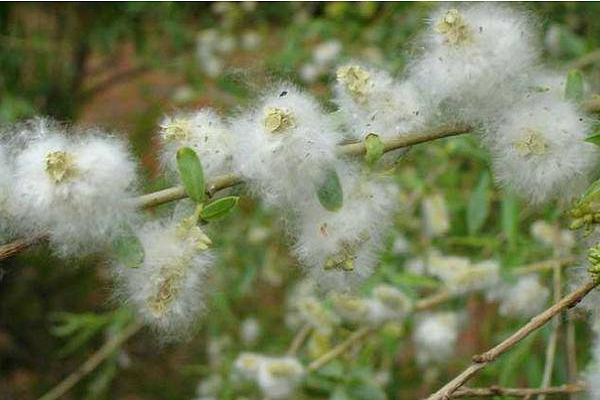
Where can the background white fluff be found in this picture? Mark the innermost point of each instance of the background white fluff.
(559, 161)
(85, 211)
(163, 250)
(6, 181)
(283, 167)
(435, 337)
(206, 133)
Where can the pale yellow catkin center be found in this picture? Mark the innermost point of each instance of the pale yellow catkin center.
(278, 120)
(454, 28)
(532, 144)
(356, 80)
(176, 130)
(60, 166)
(282, 369)
(172, 280)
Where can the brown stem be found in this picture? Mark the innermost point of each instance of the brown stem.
(481, 360)
(517, 392)
(299, 339)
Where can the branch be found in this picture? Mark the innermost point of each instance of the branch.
(299, 339)
(481, 360)
(224, 181)
(517, 392)
(91, 363)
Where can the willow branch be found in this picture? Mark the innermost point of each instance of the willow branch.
(299, 339)
(481, 360)
(553, 339)
(517, 392)
(228, 180)
(93, 362)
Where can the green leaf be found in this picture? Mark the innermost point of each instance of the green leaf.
(374, 147)
(479, 204)
(219, 208)
(330, 193)
(192, 175)
(592, 190)
(128, 250)
(574, 86)
(594, 139)
(510, 217)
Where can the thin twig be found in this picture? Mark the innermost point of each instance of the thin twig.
(91, 363)
(299, 339)
(571, 352)
(481, 360)
(517, 392)
(553, 339)
(228, 180)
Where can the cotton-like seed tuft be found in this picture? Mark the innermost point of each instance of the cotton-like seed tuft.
(538, 149)
(203, 131)
(472, 51)
(76, 188)
(435, 337)
(279, 377)
(524, 299)
(168, 289)
(285, 140)
(371, 102)
(338, 249)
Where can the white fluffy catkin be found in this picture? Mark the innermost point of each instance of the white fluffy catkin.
(475, 57)
(524, 299)
(284, 146)
(76, 187)
(278, 377)
(205, 132)
(372, 102)
(338, 249)
(435, 337)
(538, 149)
(168, 289)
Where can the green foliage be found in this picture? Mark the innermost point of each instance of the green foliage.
(374, 147)
(191, 173)
(128, 250)
(574, 86)
(479, 204)
(219, 208)
(330, 192)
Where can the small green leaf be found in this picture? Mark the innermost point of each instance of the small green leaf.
(192, 176)
(374, 147)
(128, 250)
(330, 193)
(479, 204)
(594, 139)
(510, 217)
(219, 208)
(592, 190)
(574, 86)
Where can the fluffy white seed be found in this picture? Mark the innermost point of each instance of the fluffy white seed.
(168, 288)
(435, 337)
(338, 249)
(475, 58)
(538, 149)
(203, 131)
(279, 377)
(76, 188)
(524, 299)
(370, 101)
(284, 146)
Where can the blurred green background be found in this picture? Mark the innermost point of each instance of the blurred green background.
(123, 66)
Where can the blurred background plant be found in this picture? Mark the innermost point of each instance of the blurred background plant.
(124, 65)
